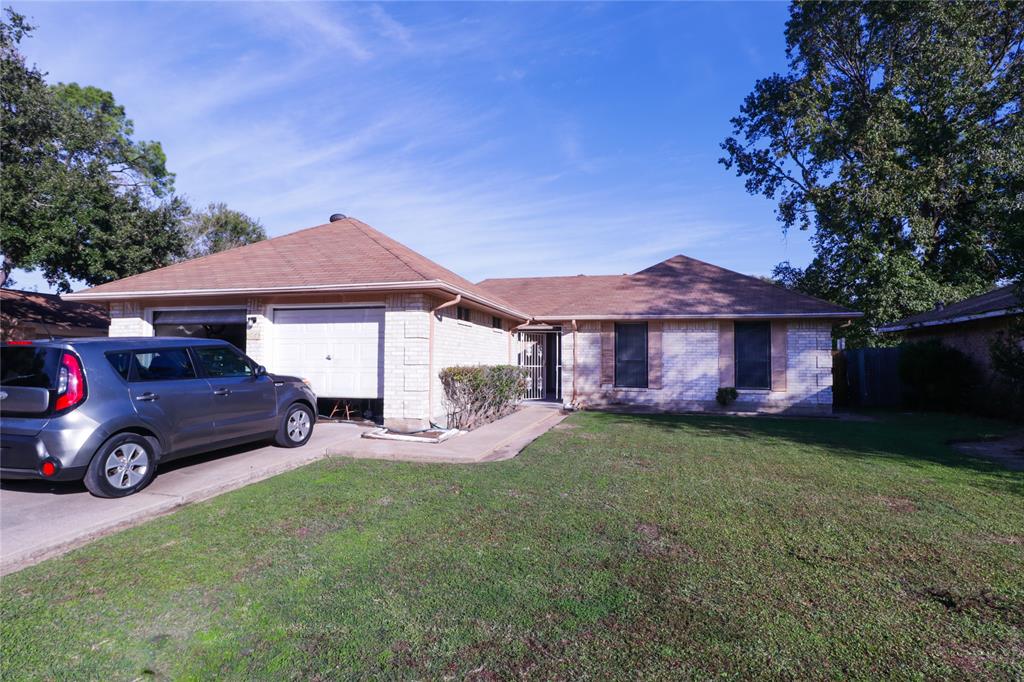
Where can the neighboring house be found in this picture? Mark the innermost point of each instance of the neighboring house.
(365, 317)
(26, 315)
(970, 325)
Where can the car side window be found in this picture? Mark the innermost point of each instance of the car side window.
(121, 362)
(222, 361)
(162, 365)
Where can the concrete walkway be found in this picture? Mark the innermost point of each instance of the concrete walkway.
(496, 441)
(41, 519)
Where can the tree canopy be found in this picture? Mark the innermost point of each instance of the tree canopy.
(80, 198)
(895, 136)
(218, 228)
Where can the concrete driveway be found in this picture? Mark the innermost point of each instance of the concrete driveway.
(39, 519)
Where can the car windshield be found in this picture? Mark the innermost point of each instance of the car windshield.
(29, 366)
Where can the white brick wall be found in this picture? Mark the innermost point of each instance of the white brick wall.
(460, 342)
(257, 342)
(690, 370)
(406, 361)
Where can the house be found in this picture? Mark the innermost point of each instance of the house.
(970, 325)
(365, 317)
(26, 315)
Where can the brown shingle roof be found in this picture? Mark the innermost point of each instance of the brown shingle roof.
(343, 253)
(51, 310)
(1001, 301)
(678, 287)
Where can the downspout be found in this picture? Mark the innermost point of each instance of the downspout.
(430, 356)
(575, 340)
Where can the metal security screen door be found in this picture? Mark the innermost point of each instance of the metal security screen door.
(539, 363)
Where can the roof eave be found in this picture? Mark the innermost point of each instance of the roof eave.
(106, 297)
(899, 327)
(716, 316)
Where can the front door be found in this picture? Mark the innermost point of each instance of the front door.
(169, 395)
(244, 404)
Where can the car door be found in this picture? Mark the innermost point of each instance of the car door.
(245, 403)
(168, 393)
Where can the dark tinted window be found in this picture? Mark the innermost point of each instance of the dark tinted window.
(163, 365)
(29, 366)
(631, 355)
(121, 363)
(463, 313)
(222, 361)
(753, 355)
(496, 322)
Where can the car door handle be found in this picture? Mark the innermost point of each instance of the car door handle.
(148, 396)
(222, 391)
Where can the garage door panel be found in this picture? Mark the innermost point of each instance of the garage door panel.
(351, 337)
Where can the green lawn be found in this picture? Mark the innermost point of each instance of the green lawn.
(613, 547)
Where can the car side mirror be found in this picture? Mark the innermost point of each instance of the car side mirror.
(261, 371)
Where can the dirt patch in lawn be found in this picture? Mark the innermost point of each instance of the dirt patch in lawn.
(654, 542)
(1007, 451)
(901, 505)
(985, 605)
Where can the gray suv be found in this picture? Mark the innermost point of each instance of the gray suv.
(107, 411)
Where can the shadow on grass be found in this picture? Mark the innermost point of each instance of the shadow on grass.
(910, 439)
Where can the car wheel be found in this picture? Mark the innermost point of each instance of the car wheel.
(296, 427)
(122, 466)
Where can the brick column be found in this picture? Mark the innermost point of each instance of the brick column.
(406, 362)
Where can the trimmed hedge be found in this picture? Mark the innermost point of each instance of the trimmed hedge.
(477, 395)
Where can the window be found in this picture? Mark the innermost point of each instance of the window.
(223, 361)
(463, 313)
(496, 322)
(121, 362)
(162, 365)
(29, 366)
(754, 355)
(631, 355)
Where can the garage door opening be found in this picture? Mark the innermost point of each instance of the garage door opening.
(224, 325)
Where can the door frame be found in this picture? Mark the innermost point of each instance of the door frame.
(547, 359)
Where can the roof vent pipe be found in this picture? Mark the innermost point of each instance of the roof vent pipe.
(335, 217)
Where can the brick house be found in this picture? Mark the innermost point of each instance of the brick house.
(365, 317)
(970, 325)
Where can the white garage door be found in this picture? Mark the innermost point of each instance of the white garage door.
(340, 350)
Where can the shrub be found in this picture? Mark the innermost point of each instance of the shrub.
(936, 376)
(477, 395)
(726, 395)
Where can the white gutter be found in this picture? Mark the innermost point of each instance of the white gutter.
(249, 291)
(951, 320)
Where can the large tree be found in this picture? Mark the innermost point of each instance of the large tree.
(895, 136)
(218, 228)
(79, 198)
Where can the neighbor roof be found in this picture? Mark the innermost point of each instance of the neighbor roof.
(50, 310)
(342, 255)
(679, 287)
(996, 303)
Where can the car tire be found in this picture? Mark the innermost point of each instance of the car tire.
(123, 465)
(296, 427)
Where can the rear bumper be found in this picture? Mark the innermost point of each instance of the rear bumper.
(72, 474)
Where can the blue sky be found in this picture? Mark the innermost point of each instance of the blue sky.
(497, 139)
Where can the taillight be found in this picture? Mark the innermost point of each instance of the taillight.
(70, 383)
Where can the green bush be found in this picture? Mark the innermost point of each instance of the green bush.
(477, 395)
(726, 395)
(937, 377)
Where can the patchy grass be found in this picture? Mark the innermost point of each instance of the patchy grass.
(614, 547)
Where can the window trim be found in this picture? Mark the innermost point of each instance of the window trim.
(646, 359)
(736, 354)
